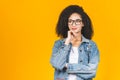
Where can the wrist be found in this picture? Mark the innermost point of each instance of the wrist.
(67, 41)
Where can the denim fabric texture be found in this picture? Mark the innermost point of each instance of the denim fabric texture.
(87, 64)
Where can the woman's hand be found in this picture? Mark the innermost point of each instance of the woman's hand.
(70, 36)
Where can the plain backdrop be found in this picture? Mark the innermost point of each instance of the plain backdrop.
(27, 35)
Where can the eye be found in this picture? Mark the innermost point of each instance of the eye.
(78, 20)
(69, 21)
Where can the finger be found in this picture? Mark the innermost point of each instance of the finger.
(74, 34)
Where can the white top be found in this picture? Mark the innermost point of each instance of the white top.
(73, 58)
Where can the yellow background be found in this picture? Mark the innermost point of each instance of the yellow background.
(27, 34)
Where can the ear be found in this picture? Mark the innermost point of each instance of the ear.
(82, 24)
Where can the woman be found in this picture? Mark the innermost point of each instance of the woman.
(75, 56)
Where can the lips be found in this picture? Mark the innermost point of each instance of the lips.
(74, 28)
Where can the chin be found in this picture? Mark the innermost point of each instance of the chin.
(77, 31)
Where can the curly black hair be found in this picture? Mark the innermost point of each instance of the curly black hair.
(62, 24)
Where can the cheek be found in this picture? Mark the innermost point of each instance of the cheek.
(80, 27)
(69, 27)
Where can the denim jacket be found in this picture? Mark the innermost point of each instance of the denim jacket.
(87, 64)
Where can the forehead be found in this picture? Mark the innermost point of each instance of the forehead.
(75, 16)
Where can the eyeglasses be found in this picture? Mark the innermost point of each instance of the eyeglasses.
(77, 21)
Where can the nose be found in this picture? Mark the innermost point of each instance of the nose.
(73, 24)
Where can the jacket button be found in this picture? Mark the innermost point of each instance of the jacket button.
(80, 50)
(80, 60)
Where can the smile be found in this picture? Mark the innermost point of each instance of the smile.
(74, 28)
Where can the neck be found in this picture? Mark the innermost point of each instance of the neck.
(78, 36)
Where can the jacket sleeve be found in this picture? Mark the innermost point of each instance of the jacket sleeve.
(89, 70)
(59, 54)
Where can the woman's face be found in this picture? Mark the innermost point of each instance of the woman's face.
(75, 23)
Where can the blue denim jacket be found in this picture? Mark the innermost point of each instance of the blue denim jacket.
(87, 62)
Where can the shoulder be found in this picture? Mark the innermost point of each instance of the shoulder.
(92, 44)
(59, 42)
